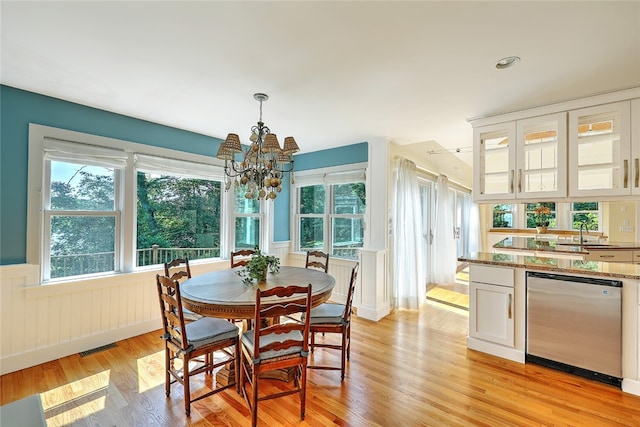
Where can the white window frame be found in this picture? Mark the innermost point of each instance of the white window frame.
(48, 215)
(572, 212)
(126, 192)
(327, 177)
(263, 216)
(514, 215)
(563, 216)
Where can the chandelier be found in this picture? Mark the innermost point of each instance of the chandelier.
(264, 164)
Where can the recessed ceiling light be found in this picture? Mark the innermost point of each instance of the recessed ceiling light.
(507, 62)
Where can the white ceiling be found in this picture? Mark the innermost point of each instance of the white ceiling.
(337, 73)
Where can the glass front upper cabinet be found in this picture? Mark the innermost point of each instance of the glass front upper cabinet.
(494, 157)
(600, 150)
(521, 159)
(541, 157)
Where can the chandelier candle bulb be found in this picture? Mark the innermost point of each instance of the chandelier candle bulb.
(263, 164)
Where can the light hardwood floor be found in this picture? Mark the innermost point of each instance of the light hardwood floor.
(409, 369)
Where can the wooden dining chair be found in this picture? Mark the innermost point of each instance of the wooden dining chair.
(178, 269)
(280, 346)
(193, 343)
(334, 319)
(241, 258)
(317, 259)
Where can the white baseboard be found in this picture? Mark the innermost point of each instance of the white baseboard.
(631, 386)
(42, 355)
(373, 314)
(495, 349)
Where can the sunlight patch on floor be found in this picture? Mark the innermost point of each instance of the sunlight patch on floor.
(73, 401)
(148, 367)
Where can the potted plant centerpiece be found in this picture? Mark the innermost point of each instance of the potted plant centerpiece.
(258, 266)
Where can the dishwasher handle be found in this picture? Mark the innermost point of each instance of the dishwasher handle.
(576, 279)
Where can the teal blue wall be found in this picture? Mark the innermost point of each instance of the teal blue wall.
(355, 153)
(18, 108)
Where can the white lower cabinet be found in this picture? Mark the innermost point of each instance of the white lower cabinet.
(491, 313)
(491, 304)
(497, 311)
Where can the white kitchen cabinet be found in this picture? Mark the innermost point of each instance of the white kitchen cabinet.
(521, 159)
(541, 157)
(494, 162)
(600, 160)
(491, 304)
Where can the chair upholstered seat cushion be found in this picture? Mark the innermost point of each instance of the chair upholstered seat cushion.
(248, 340)
(208, 330)
(327, 314)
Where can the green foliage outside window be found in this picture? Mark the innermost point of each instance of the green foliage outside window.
(532, 218)
(585, 212)
(502, 216)
(178, 213)
(343, 213)
(81, 243)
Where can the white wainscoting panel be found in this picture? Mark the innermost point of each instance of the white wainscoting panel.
(339, 268)
(39, 323)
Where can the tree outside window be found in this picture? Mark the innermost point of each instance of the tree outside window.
(530, 212)
(503, 216)
(312, 217)
(342, 206)
(82, 219)
(247, 220)
(587, 213)
(177, 218)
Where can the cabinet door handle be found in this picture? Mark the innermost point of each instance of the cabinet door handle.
(637, 179)
(626, 173)
(509, 311)
(519, 180)
(511, 181)
(607, 256)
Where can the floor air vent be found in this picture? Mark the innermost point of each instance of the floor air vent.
(98, 349)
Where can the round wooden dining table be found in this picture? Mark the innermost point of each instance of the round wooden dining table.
(223, 294)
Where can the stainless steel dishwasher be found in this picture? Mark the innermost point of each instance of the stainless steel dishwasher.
(575, 324)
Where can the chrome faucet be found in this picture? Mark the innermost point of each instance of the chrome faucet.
(583, 224)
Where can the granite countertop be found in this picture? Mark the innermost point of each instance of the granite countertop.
(560, 246)
(597, 268)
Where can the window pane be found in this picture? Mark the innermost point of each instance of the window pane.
(247, 232)
(244, 205)
(349, 198)
(347, 237)
(531, 217)
(81, 187)
(311, 233)
(587, 213)
(177, 218)
(585, 206)
(312, 199)
(76, 251)
(502, 216)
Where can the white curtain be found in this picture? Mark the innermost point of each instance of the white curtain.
(409, 288)
(445, 259)
(473, 227)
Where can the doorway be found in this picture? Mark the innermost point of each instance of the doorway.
(454, 295)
